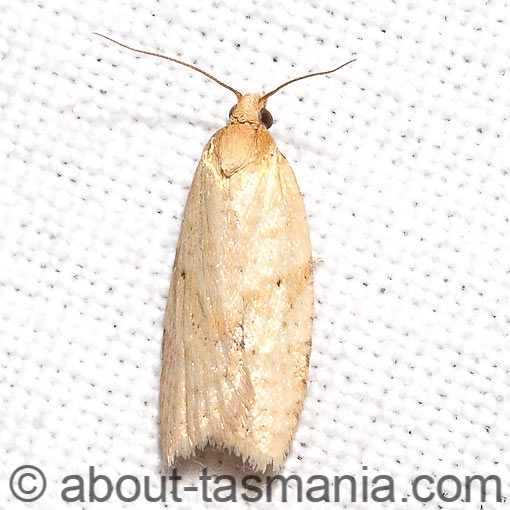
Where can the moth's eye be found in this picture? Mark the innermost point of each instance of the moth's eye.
(231, 111)
(266, 118)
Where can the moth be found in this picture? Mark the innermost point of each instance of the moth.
(238, 320)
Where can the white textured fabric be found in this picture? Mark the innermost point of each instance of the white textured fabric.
(401, 158)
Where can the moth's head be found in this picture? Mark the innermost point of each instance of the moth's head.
(251, 109)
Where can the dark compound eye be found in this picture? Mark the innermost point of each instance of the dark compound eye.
(231, 111)
(266, 118)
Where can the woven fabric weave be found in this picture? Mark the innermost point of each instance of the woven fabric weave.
(403, 164)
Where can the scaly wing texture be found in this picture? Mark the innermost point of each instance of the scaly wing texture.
(239, 315)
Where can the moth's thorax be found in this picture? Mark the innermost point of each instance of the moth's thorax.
(239, 145)
(247, 109)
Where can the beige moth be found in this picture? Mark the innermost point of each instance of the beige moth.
(238, 321)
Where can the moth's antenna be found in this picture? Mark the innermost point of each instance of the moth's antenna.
(237, 93)
(306, 76)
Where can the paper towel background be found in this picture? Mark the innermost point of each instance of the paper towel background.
(401, 158)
